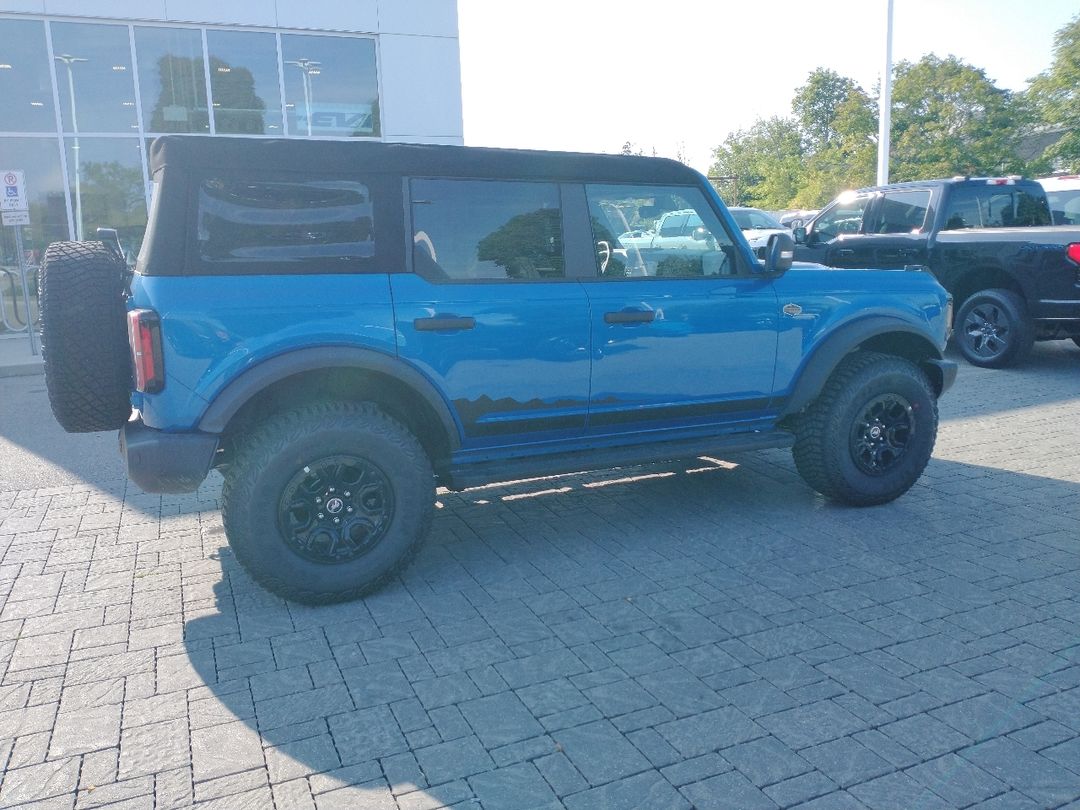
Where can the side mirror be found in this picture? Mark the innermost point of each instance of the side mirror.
(700, 234)
(799, 235)
(779, 253)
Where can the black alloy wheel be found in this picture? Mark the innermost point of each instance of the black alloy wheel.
(993, 329)
(881, 435)
(987, 331)
(336, 509)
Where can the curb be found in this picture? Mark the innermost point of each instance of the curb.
(22, 369)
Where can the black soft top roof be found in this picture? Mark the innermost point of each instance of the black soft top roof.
(194, 152)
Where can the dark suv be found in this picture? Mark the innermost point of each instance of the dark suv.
(338, 327)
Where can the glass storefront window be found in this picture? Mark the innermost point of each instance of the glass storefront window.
(39, 158)
(331, 86)
(25, 85)
(94, 77)
(172, 80)
(244, 83)
(107, 191)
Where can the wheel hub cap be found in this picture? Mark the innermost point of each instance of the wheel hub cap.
(882, 433)
(336, 509)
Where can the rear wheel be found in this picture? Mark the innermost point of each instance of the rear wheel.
(327, 502)
(84, 336)
(869, 435)
(993, 330)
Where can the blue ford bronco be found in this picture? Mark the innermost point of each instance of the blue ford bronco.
(341, 327)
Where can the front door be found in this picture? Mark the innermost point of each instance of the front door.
(834, 235)
(684, 330)
(489, 313)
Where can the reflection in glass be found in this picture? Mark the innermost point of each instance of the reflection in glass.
(25, 85)
(331, 87)
(39, 158)
(172, 80)
(94, 77)
(109, 188)
(244, 82)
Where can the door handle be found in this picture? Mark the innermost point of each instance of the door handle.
(443, 323)
(631, 316)
(845, 252)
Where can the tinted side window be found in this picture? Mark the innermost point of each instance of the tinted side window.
(900, 212)
(471, 230)
(657, 231)
(996, 207)
(313, 222)
(843, 218)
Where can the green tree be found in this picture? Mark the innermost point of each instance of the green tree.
(846, 157)
(1055, 97)
(764, 161)
(948, 118)
(817, 104)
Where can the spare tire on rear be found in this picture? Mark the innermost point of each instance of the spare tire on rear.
(84, 336)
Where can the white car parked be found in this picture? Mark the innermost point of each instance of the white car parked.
(1063, 194)
(757, 226)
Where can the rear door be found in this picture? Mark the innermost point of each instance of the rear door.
(489, 312)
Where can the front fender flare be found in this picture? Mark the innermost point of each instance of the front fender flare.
(233, 397)
(835, 346)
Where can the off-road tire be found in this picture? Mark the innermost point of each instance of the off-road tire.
(1007, 310)
(273, 452)
(824, 435)
(84, 336)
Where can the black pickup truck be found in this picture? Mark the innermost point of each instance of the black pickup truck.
(989, 241)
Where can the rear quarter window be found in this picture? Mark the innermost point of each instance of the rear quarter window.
(313, 224)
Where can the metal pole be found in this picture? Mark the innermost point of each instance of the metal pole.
(885, 102)
(26, 289)
(68, 61)
(307, 99)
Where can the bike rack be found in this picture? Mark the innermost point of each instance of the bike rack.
(14, 285)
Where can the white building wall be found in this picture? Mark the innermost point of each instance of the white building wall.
(419, 56)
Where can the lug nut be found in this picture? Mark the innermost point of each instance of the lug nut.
(337, 520)
(320, 515)
(318, 500)
(331, 489)
(348, 494)
(349, 509)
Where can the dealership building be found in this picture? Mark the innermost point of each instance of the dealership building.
(86, 85)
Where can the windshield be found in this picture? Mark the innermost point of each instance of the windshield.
(753, 219)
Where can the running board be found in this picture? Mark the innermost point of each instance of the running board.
(464, 476)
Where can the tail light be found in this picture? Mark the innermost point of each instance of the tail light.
(144, 336)
(1073, 252)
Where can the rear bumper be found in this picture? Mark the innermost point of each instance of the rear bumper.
(171, 463)
(947, 370)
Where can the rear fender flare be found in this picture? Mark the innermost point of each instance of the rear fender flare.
(256, 379)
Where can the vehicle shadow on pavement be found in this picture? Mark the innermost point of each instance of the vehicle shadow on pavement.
(586, 638)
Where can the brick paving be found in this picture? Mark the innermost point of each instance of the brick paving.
(680, 635)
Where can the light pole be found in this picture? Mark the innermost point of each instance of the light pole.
(68, 61)
(307, 68)
(885, 103)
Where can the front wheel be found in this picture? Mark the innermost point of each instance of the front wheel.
(993, 329)
(327, 502)
(869, 435)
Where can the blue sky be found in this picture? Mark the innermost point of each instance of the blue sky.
(590, 74)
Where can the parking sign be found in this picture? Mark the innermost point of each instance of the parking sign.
(14, 196)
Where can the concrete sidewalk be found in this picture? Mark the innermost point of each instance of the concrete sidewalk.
(670, 636)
